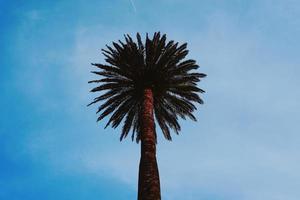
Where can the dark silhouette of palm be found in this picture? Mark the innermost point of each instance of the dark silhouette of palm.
(142, 80)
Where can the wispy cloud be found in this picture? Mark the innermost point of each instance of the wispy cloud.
(245, 144)
(133, 5)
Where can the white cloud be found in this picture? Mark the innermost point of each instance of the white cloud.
(245, 144)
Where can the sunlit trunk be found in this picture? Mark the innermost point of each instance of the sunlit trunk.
(149, 186)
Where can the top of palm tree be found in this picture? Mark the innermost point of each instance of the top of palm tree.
(158, 65)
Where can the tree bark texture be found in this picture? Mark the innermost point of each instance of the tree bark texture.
(149, 185)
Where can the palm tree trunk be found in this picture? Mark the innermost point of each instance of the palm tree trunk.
(149, 186)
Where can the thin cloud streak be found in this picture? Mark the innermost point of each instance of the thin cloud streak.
(132, 3)
(244, 146)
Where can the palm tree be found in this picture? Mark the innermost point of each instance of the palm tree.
(141, 80)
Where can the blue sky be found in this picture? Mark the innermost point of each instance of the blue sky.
(245, 145)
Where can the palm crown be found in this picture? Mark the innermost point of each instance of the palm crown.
(135, 66)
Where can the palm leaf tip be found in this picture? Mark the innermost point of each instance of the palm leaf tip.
(131, 66)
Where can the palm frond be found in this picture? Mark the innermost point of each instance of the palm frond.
(131, 67)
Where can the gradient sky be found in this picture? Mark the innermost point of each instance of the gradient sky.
(245, 145)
